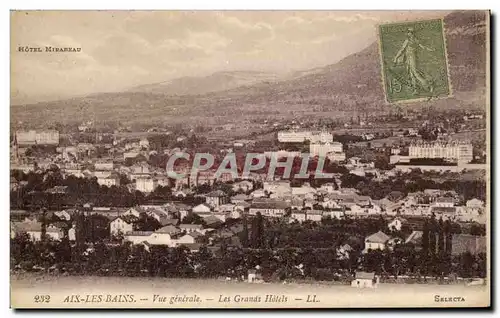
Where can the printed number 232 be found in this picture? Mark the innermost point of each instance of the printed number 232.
(395, 86)
(42, 299)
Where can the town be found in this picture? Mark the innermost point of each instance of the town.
(398, 203)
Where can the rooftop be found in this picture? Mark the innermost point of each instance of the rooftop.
(379, 237)
(442, 209)
(191, 226)
(365, 275)
(139, 233)
(168, 229)
(216, 193)
(445, 200)
(270, 205)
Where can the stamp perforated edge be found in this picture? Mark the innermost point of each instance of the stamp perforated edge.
(382, 70)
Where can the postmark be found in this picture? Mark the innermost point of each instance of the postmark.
(414, 61)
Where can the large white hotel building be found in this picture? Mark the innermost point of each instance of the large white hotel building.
(456, 151)
(33, 137)
(301, 136)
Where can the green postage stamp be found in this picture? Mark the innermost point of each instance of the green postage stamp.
(414, 60)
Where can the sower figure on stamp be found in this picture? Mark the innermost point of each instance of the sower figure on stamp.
(408, 55)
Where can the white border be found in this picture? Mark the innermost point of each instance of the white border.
(6, 5)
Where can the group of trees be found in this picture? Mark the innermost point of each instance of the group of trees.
(34, 193)
(277, 264)
(413, 182)
(283, 250)
(404, 261)
(437, 238)
(83, 190)
(160, 142)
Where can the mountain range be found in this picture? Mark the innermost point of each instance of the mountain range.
(220, 81)
(350, 85)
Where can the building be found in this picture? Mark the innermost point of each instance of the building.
(166, 235)
(189, 228)
(335, 213)
(240, 198)
(34, 230)
(104, 166)
(130, 154)
(163, 181)
(216, 198)
(307, 215)
(33, 137)
(202, 177)
(393, 159)
(444, 211)
(139, 170)
(144, 143)
(259, 193)
(122, 224)
(26, 168)
(244, 186)
(475, 204)
(395, 225)
(365, 280)
(189, 238)
(135, 211)
(212, 221)
(406, 168)
(376, 241)
(269, 208)
(455, 151)
(336, 156)
(202, 209)
(102, 174)
(301, 136)
(395, 151)
(254, 276)
(169, 229)
(111, 180)
(145, 184)
(158, 214)
(280, 188)
(282, 154)
(444, 202)
(303, 190)
(298, 215)
(138, 237)
(323, 149)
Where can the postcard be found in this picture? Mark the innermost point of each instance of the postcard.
(250, 159)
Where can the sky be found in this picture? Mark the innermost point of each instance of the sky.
(123, 49)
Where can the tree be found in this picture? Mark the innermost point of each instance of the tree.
(146, 223)
(441, 236)
(244, 234)
(257, 231)
(432, 236)
(96, 227)
(193, 218)
(448, 237)
(44, 224)
(425, 238)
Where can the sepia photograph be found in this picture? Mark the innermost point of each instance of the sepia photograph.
(250, 159)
